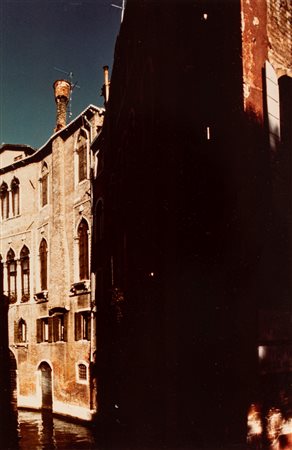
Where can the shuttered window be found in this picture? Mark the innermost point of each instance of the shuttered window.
(83, 250)
(25, 285)
(43, 264)
(52, 329)
(82, 326)
(20, 332)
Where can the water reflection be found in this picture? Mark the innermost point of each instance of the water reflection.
(42, 431)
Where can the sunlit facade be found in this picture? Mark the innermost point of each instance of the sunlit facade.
(46, 226)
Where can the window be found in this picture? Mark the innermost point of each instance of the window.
(82, 325)
(12, 276)
(43, 251)
(44, 184)
(20, 332)
(59, 327)
(82, 157)
(15, 196)
(83, 250)
(82, 372)
(43, 330)
(52, 329)
(4, 197)
(25, 285)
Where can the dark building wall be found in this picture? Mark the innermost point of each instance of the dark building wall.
(185, 223)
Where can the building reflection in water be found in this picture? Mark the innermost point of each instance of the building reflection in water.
(40, 430)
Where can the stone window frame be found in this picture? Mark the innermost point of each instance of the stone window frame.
(83, 135)
(15, 197)
(20, 331)
(52, 329)
(83, 258)
(11, 262)
(43, 264)
(82, 325)
(4, 199)
(25, 273)
(80, 365)
(44, 185)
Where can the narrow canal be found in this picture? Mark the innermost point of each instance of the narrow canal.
(42, 431)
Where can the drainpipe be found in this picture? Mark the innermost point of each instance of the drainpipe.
(92, 278)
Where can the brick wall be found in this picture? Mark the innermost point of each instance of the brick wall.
(279, 29)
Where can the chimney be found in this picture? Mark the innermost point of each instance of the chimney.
(106, 84)
(62, 90)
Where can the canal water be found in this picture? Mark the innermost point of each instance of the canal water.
(42, 431)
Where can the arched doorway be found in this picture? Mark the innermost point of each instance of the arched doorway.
(46, 385)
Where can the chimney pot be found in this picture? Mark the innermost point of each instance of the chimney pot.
(106, 84)
(62, 89)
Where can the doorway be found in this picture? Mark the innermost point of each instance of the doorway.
(46, 385)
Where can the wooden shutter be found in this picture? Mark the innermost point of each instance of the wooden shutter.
(56, 328)
(273, 106)
(78, 318)
(16, 336)
(65, 336)
(51, 329)
(88, 318)
(43, 261)
(39, 330)
(83, 250)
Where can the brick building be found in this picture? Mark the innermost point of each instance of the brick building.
(193, 220)
(45, 260)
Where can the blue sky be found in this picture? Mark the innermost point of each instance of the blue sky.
(35, 37)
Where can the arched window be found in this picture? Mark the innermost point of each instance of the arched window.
(4, 197)
(25, 287)
(82, 372)
(83, 250)
(12, 276)
(44, 184)
(43, 264)
(82, 157)
(15, 196)
(20, 331)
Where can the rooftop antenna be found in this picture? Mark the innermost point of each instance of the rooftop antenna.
(120, 7)
(73, 86)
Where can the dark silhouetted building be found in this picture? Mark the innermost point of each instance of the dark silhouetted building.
(191, 216)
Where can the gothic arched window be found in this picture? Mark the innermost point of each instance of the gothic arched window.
(83, 250)
(15, 196)
(43, 251)
(4, 197)
(25, 285)
(44, 184)
(82, 157)
(12, 276)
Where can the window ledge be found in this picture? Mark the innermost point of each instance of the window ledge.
(80, 287)
(20, 345)
(41, 296)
